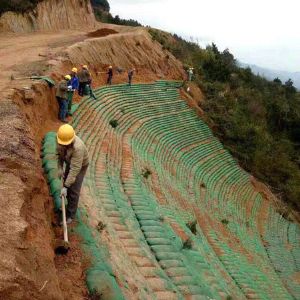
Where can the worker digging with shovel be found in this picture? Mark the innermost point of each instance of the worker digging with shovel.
(72, 153)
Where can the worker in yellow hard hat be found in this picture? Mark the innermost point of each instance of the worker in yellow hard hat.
(72, 87)
(109, 75)
(73, 154)
(130, 75)
(62, 97)
(85, 78)
(190, 73)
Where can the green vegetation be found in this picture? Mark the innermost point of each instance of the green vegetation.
(192, 225)
(101, 4)
(114, 123)
(106, 17)
(146, 173)
(102, 8)
(257, 120)
(19, 6)
(225, 222)
(187, 244)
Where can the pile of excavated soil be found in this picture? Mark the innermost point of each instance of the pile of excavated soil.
(101, 32)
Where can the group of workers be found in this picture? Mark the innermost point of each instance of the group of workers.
(81, 82)
(75, 81)
(72, 153)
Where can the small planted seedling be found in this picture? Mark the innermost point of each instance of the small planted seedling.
(113, 123)
(187, 244)
(192, 226)
(225, 222)
(100, 226)
(146, 173)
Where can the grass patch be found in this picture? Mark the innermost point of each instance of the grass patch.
(225, 222)
(146, 173)
(114, 123)
(192, 226)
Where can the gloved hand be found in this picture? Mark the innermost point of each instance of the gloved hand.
(60, 173)
(69, 88)
(64, 192)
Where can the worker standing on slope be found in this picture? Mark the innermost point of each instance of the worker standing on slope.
(190, 74)
(130, 75)
(73, 85)
(110, 75)
(61, 96)
(84, 77)
(73, 153)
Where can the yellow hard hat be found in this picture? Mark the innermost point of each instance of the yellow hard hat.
(84, 66)
(65, 135)
(68, 77)
(74, 70)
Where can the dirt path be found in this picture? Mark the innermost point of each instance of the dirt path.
(31, 54)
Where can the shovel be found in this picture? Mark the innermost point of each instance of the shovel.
(63, 247)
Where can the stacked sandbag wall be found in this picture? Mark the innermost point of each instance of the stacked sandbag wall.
(100, 279)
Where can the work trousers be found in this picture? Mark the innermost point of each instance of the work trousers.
(129, 80)
(74, 192)
(81, 88)
(63, 108)
(70, 101)
(109, 80)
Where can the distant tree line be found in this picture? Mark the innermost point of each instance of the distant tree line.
(257, 120)
(107, 17)
(101, 4)
(102, 13)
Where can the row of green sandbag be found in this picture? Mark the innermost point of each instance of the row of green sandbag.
(99, 277)
(50, 165)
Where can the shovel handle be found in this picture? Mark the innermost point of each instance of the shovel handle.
(63, 208)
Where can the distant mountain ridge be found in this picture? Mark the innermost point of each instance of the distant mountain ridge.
(272, 74)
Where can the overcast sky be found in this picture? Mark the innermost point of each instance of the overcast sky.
(261, 32)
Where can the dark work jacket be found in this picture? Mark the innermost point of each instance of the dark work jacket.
(110, 73)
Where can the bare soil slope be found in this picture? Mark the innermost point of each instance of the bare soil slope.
(51, 15)
(28, 267)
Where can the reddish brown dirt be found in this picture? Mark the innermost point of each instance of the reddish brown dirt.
(26, 254)
(28, 267)
(101, 32)
(29, 54)
(296, 277)
(28, 240)
(28, 109)
(193, 99)
(70, 268)
(206, 224)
